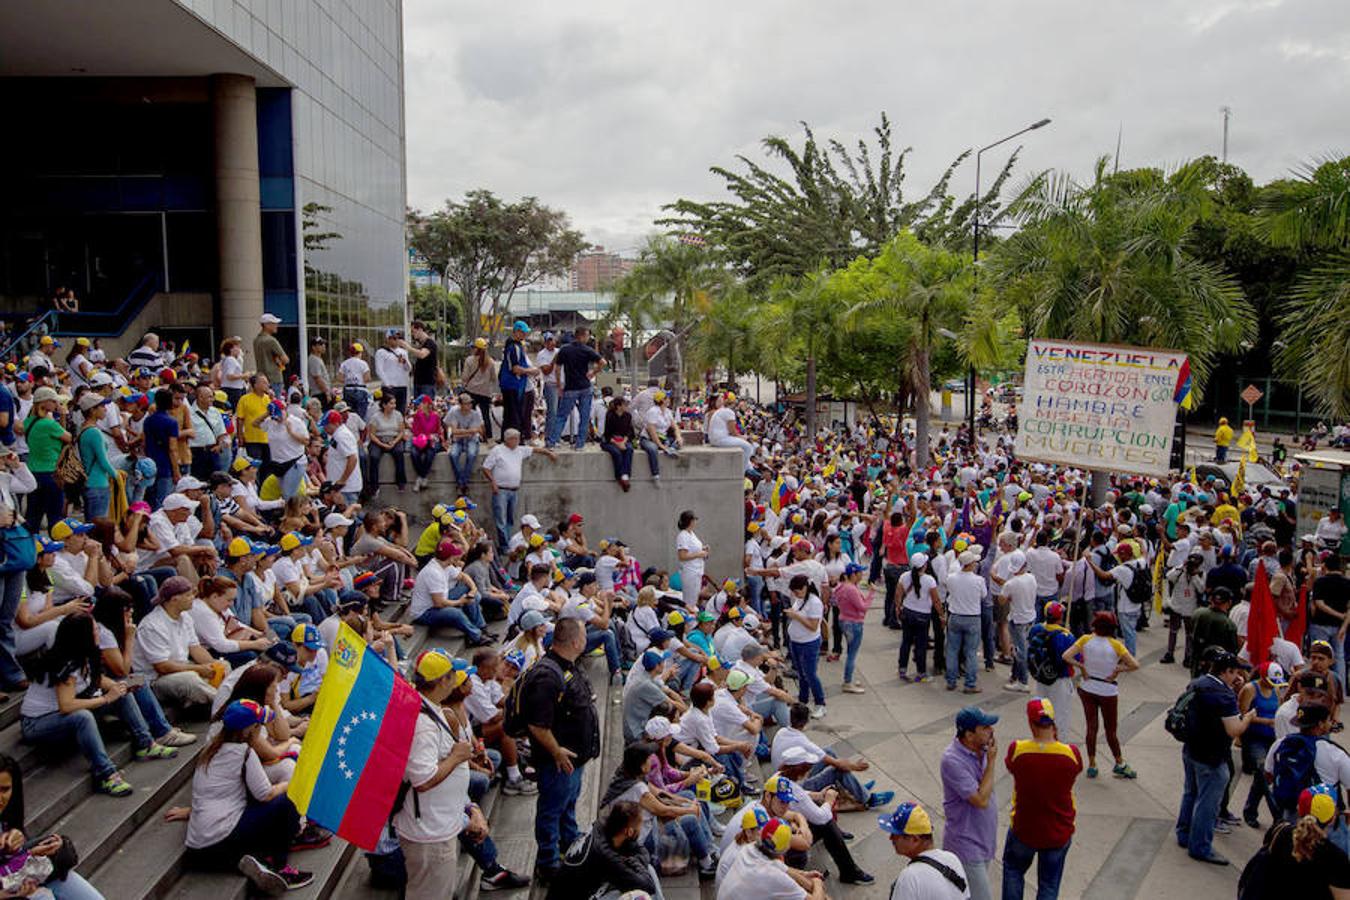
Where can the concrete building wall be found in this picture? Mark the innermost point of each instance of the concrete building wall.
(705, 479)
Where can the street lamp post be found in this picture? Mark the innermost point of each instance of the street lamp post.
(970, 387)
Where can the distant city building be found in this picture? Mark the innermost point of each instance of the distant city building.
(596, 269)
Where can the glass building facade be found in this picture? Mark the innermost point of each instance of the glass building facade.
(339, 201)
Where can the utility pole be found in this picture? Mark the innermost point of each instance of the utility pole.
(1227, 114)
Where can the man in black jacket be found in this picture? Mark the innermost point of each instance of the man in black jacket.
(612, 857)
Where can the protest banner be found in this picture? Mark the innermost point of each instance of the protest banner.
(1097, 406)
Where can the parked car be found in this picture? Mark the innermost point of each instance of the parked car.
(1255, 475)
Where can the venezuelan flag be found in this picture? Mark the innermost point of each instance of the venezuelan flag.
(1185, 392)
(780, 492)
(354, 753)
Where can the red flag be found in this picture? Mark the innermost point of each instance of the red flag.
(1261, 626)
(1294, 633)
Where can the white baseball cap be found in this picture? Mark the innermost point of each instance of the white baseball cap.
(530, 520)
(268, 319)
(658, 728)
(189, 483)
(178, 501)
(334, 519)
(800, 756)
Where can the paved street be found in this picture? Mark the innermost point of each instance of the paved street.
(1124, 845)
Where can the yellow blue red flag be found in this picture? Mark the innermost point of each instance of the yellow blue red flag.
(356, 748)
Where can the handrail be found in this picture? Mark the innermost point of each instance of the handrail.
(32, 326)
(63, 324)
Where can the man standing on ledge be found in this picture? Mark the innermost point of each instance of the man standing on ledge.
(564, 735)
(514, 379)
(579, 362)
(504, 468)
(267, 353)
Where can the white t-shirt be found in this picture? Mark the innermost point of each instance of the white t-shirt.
(605, 566)
(355, 372)
(752, 874)
(1332, 763)
(730, 640)
(210, 627)
(1021, 593)
(811, 607)
(787, 738)
(965, 593)
(923, 882)
(232, 373)
(719, 424)
(433, 579)
(282, 446)
(728, 718)
(691, 570)
(696, 729)
(220, 792)
(507, 465)
(165, 534)
(923, 602)
(659, 418)
(393, 367)
(481, 704)
(344, 448)
(1046, 565)
(439, 812)
(161, 639)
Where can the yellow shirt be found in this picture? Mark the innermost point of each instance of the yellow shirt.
(1223, 436)
(251, 406)
(428, 540)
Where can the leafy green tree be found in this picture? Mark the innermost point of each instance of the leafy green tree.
(1312, 215)
(438, 308)
(488, 249)
(927, 287)
(726, 333)
(831, 205)
(803, 317)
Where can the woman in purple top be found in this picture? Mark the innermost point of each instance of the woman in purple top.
(968, 797)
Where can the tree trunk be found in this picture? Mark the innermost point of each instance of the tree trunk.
(811, 398)
(922, 404)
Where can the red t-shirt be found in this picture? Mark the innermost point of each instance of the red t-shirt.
(1043, 807)
(894, 540)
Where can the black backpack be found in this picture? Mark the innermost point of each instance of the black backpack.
(1178, 721)
(1044, 666)
(1293, 770)
(1140, 591)
(515, 719)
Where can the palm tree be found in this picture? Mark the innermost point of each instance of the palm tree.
(926, 287)
(674, 277)
(1312, 213)
(804, 312)
(726, 332)
(1112, 262)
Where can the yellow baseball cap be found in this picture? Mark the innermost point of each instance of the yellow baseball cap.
(439, 510)
(239, 547)
(432, 664)
(82, 342)
(356, 345)
(536, 540)
(241, 463)
(292, 539)
(480, 344)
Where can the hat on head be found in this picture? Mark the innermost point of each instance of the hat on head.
(1054, 611)
(306, 635)
(292, 539)
(536, 540)
(751, 621)
(433, 664)
(1273, 672)
(971, 717)
(173, 586)
(189, 483)
(515, 658)
(714, 662)
(1318, 801)
(336, 520)
(332, 417)
(178, 501)
(675, 617)
(63, 529)
(1311, 714)
(91, 400)
(734, 613)
(268, 319)
(575, 519)
(43, 394)
(243, 714)
(1318, 646)
(519, 325)
(283, 653)
(243, 462)
(918, 560)
(1040, 711)
(448, 550)
(736, 679)
(775, 837)
(909, 818)
(658, 728)
(532, 619)
(706, 616)
(968, 558)
(531, 521)
(754, 818)
(651, 659)
(1017, 561)
(239, 547)
(781, 787)
(464, 503)
(799, 756)
(853, 569)
(46, 545)
(363, 579)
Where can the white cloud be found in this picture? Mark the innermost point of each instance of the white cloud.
(610, 109)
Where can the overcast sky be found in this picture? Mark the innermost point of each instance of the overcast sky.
(610, 109)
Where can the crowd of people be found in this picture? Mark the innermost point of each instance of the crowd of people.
(184, 539)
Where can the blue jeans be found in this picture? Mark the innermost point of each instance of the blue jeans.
(358, 398)
(400, 471)
(1328, 633)
(46, 501)
(1129, 622)
(734, 763)
(73, 888)
(772, 708)
(284, 626)
(59, 728)
(555, 812)
(1200, 798)
(422, 459)
(621, 457)
(603, 637)
(823, 776)
(688, 670)
(161, 488)
(1019, 645)
(987, 634)
(550, 407)
(11, 592)
(700, 841)
(581, 402)
(463, 459)
(806, 659)
(1049, 869)
(963, 640)
(853, 633)
(96, 502)
(1220, 454)
(291, 475)
(754, 585)
(504, 515)
(653, 455)
(467, 619)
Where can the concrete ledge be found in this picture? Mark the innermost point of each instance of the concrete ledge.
(708, 480)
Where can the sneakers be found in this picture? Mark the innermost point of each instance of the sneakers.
(155, 751)
(951, 685)
(880, 798)
(972, 690)
(1091, 771)
(294, 878)
(852, 687)
(818, 712)
(114, 786)
(923, 679)
(311, 837)
(264, 879)
(516, 786)
(1017, 687)
(707, 873)
(502, 880)
(176, 737)
(1123, 770)
(858, 877)
(1167, 659)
